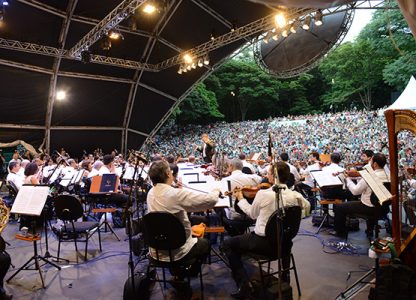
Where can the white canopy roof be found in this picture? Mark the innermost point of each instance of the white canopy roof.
(407, 99)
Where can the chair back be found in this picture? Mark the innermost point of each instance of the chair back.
(68, 208)
(289, 226)
(12, 189)
(163, 231)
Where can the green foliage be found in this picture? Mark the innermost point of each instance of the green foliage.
(398, 72)
(199, 107)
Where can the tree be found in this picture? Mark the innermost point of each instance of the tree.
(199, 107)
(353, 72)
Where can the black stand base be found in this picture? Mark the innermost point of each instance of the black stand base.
(357, 286)
(36, 261)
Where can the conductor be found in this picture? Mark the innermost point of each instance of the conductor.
(207, 149)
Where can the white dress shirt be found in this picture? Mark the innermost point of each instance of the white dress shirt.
(308, 177)
(104, 170)
(264, 205)
(239, 179)
(16, 179)
(250, 166)
(295, 172)
(163, 197)
(361, 188)
(333, 168)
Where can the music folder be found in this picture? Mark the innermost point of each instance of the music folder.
(30, 200)
(107, 183)
(326, 179)
(375, 184)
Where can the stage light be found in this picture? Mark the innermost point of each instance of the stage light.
(232, 93)
(180, 70)
(318, 18)
(213, 35)
(200, 63)
(106, 43)
(114, 35)
(193, 65)
(275, 37)
(60, 95)
(307, 23)
(86, 56)
(280, 20)
(5, 3)
(268, 36)
(285, 33)
(187, 58)
(149, 8)
(206, 60)
(294, 27)
(189, 67)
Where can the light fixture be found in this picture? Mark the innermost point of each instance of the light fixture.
(180, 70)
(206, 60)
(294, 27)
(60, 95)
(307, 23)
(213, 35)
(193, 65)
(149, 8)
(5, 3)
(114, 35)
(187, 58)
(86, 56)
(232, 93)
(105, 43)
(267, 37)
(280, 20)
(318, 18)
(189, 67)
(200, 63)
(275, 37)
(285, 33)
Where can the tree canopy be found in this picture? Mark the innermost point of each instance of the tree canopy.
(362, 74)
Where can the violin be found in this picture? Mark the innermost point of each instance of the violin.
(249, 193)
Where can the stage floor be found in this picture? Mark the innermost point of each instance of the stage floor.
(322, 275)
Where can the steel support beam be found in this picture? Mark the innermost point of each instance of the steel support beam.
(138, 74)
(23, 66)
(86, 128)
(57, 62)
(138, 132)
(21, 126)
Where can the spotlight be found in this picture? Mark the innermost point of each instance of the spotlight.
(188, 58)
(307, 23)
(180, 70)
(60, 95)
(5, 3)
(114, 35)
(232, 93)
(318, 18)
(206, 60)
(106, 43)
(268, 37)
(184, 70)
(294, 27)
(280, 20)
(189, 67)
(213, 35)
(200, 63)
(86, 56)
(149, 8)
(285, 33)
(275, 37)
(193, 65)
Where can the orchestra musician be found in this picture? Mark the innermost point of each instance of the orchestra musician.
(285, 158)
(308, 184)
(364, 206)
(207, 149)
(261, 209)
(234, 222)
(13, 176)
(366, 156)
(163, 197)
(31, 171)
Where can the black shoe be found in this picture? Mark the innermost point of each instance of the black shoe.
(245, 291)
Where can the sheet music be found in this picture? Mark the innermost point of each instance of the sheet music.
(375, 184)
(256, 156)
(128, 175)
(55, 175)
(66, 180)
(30, 200)
(77, 178)
(323, 178)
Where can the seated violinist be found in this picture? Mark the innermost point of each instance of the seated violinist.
(261, 209)
(235, 222)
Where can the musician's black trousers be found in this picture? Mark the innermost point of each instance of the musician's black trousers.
(348, 208)
(199, 251)
(4, 267)
(236, 246)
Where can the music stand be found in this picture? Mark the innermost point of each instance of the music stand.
(30, 201)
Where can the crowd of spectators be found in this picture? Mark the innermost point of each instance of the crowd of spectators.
(347, 133)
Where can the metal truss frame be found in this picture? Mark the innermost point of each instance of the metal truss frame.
(116, 16)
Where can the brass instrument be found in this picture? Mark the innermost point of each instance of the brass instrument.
(4, 219)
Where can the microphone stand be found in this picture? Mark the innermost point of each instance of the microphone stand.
(277, 189)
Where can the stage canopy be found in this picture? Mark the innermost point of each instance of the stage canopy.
(407, 99)
(116, 96)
